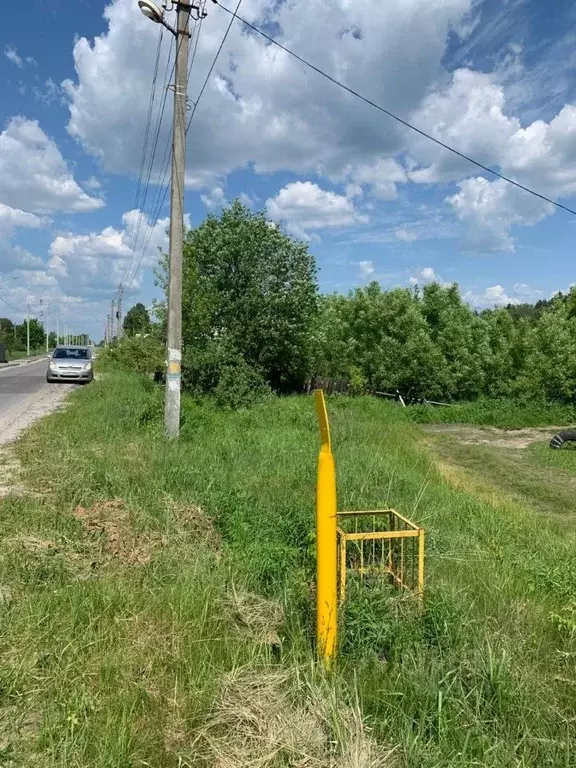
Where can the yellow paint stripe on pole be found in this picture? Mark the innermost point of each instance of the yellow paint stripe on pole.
(326, 541)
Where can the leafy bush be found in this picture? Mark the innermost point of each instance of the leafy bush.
(142, 354)
(220, 369)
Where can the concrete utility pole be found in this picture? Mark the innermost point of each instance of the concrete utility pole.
(174, 344)
(174, 341)
(28, 332)
(119, 328)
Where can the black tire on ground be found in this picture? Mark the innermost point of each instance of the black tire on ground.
(563, 437)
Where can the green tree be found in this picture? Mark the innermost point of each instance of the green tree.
(392, 342)
(7, 332)
(137, 320)
(37, 337)
(454, 328)
(249, 294)
(335, 353)
(550, 368)
(496, 345)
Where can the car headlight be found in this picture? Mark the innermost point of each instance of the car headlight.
(53, 366)
(87, 366)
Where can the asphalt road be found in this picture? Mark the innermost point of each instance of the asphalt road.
(25, 396)
(18, 382)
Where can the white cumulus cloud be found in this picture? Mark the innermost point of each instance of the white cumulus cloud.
(94, 264)
(494, 296)
(216, 198)
(33, 174)
(406, 235)
(366, 268)
(285, 117)
(304, 206)
(12, 55)
(491, 209)
(424, 276)
(470, 114)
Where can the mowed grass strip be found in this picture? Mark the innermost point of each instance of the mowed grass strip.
(485, 676)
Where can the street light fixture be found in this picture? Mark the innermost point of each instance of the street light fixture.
(151, 11)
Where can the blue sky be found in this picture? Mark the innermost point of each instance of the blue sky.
(493, 79)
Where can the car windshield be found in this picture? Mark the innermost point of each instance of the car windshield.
(66, 353)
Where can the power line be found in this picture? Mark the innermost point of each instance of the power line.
(162, 191)
(205, 83)
(167, 77)
(163, 188)
(155, 208)
(16, 309)
(366, 100)
(162, 195)
(145, 142)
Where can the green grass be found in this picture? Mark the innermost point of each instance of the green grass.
(106, 658)
(21, 354)
(505, 413)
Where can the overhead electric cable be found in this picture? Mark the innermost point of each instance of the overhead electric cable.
(387, 112)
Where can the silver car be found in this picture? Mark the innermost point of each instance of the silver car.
(70, 364)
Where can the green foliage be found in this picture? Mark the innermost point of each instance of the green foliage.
(142, 354)
(550, 366)
(503, 413)
(483, 676)
(37, 337)
(137, 320)
(221, 370)
(7, 332)
(432, 344)
(249, 291)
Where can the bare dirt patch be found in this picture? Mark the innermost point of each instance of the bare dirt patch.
(9, 473)
(110, 522)
(492, 436)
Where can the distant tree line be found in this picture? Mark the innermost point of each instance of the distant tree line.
(432, 343)
(254, 321)
(14, 336)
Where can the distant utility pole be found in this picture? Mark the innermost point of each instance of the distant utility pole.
(44, 320)
(174, 340)
(28, 331)
(119, 312)
(112, 321)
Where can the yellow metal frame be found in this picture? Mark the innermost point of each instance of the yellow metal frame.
(381, 563)
(332, 542)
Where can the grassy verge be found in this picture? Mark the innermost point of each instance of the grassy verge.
(128, 632)
(21, 354)
(505, 414)
(123, 620)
